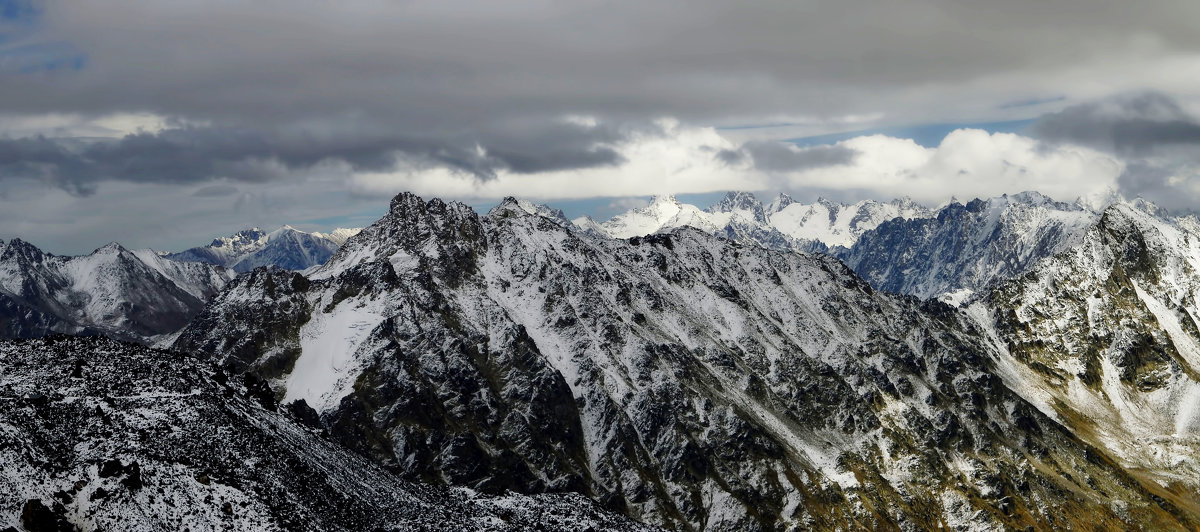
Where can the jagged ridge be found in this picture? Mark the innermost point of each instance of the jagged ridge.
(681, 378)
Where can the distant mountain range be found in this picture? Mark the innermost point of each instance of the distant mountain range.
(782, 224)
(285, 248)
(694, 382)
(1008, 363)
(138, 295)
(131, 295)
(948, 252)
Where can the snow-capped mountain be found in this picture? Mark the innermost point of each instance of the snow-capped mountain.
(966, 247)
(285, 247)
(838, 224)
(134, 295)
(1104, 337)
(663, 212)
(98, 435)
(681, 378)
(783, 224)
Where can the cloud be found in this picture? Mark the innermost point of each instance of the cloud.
(670, 158)
(453, 69)
(1130, 125)
(968, 163)
(172, 217)
(625, 204)
(198, 154)
(775, 156)
(1152, 132)
(473, 99)
(215, 191)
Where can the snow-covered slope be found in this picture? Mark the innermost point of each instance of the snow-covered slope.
(964, 248)
(663, 212)
(783, 224)
(685, 379)
(338, 236)
(838, 224)
(1105, 337)
(134, 295)
(285, 247)
(98, 435)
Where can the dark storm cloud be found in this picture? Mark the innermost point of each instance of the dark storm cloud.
(484, 87)
(172, 156)
(1158, 140)
(1133, 125)
(774, 156)
(447, 69)
(197, 154)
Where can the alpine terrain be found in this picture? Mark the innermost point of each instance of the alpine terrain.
(100, 435)
(694, 382)
(285, 247)
(132, 295)
(1104, 338)
(740, 216)
(965, 248)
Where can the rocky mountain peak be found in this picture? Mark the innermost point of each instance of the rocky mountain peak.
(906, 203)
(285, 247)
(21, 250)
(452, 229)
(779, 203)
(111, 248)
(741, 202)
(509, 206)
(512, 206)
(736, 201)
(663, 199)
(966, 247)
(1148, 207)
(1029, 197)
(405, 201)
(240, 238)
(975, 205)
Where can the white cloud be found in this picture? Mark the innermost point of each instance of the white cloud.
(113, 125)
(680, 160)
(968, 163)
(625, 204)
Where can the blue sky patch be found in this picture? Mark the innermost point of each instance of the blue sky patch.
(21, 50)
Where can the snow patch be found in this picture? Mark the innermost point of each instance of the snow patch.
(327, 366)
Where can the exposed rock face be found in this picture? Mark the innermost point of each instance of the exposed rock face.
(132, 295)
(285, 248)
(680, 378)
(966, 247)
(1105, 338)
(98, 435)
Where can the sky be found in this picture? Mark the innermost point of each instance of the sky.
(164, 124)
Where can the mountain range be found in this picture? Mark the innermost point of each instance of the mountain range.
(285, 247)
(1008, 363)
(139, 295)
(131, 295)
(782, 224)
